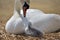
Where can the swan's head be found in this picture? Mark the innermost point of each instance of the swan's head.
(25, 6)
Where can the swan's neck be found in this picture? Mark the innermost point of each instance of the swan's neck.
(19, 13)
(24, 19)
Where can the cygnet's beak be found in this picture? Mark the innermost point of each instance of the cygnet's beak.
(25, 7)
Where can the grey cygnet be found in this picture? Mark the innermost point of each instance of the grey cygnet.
(32, 32)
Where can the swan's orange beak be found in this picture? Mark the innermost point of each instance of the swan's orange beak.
(25, 7)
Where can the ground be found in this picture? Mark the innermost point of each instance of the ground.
(6, 36)
(6, 11)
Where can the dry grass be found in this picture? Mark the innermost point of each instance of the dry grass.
(6, 11)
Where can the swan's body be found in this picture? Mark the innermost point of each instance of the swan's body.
(15, 24)
(46, 23)
(43, 22)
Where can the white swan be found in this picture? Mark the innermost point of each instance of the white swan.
(15, 24)
(44, 23)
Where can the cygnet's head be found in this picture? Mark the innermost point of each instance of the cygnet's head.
(32, 32)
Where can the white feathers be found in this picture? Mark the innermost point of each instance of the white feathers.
(45, 23)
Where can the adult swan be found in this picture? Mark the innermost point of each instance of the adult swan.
(44, 23)
(15, 24)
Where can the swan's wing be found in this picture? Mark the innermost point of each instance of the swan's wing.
(33, 12)
(46, 23)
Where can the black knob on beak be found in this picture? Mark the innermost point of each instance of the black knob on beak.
(25, 7)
